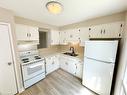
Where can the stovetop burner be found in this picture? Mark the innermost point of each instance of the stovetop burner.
(37, 57)
(25, 60)
(30, 56)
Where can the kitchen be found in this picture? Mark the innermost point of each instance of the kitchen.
(55, 65)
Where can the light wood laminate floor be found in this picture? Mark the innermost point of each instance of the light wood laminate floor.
(58, 83)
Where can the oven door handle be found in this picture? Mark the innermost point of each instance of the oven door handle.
(36, 65)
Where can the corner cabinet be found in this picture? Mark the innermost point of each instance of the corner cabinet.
(27, 33)
(110, 30)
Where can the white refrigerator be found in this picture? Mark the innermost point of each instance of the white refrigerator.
(99, 62)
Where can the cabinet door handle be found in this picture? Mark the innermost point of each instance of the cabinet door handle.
(79, 40)
(30, 34)
(27, 34)
(121, 25)
(119, 34)
(101, 31)
(104, 31)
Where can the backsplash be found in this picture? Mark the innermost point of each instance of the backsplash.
(26, 47)
(50, 50)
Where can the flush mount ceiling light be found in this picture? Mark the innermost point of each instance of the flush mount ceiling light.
(54, 7)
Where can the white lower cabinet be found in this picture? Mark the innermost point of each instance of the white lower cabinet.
(63, 63)
(71, 65)
(48, 65)
(79, 70)
(55, 62)
(52, 64)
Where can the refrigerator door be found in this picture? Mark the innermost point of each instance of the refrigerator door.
(97, 76)
(101, 50)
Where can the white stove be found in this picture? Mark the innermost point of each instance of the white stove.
(33, 67)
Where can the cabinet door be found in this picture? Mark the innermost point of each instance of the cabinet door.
(73, 35)
(79, 70)
(63, 38)
(83, 35)
(22, 32)
(113, 30)
(49, 65)
(71, 67)
(63, 63)
(76, 35)
(55, 37)
(56, 63)
(96, 31)
(33, 33)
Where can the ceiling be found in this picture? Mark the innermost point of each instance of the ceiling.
(74, 10)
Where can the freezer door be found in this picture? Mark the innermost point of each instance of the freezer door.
(97, 76)
(101, 50)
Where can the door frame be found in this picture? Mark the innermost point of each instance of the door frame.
(12, 52)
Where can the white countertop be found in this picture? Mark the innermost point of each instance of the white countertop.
(79, 57)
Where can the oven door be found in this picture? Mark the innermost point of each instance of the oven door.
(31, 70)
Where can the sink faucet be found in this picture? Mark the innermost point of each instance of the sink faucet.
(72, 49)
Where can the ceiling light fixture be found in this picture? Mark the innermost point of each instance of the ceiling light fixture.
(54, 7)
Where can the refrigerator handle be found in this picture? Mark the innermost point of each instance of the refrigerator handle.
(100, 60)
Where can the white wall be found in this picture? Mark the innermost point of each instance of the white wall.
(123, 61)
(96, 21)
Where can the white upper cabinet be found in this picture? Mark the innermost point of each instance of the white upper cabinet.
(79, 35)
(63, 37)
(33, 33)
(83, 35)
(110, 30)
(55, 37)
(72, 35)
(114, 30)
(27, 33)
(69, 36)
(96, 31)
(22, 32)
